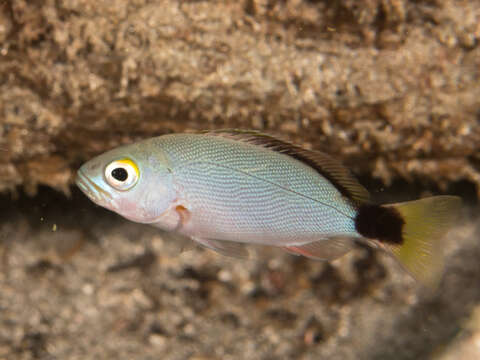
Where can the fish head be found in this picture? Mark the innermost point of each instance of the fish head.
(133, 181)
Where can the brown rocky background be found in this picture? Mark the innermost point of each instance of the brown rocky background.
(390, 87)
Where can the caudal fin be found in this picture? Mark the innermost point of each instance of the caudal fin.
(425, 222)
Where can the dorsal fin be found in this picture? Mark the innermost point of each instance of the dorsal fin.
(331, 169)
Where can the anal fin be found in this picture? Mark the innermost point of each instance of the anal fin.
(223, 247)
(325, 249)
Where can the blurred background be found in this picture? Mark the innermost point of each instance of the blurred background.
(389, 87)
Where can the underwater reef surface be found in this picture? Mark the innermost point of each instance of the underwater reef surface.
(78, 282)
(390, 87)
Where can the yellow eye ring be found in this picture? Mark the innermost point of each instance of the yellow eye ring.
(122, 174)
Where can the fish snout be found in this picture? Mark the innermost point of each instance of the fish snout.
(91, 189)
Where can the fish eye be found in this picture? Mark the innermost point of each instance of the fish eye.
(121, 174)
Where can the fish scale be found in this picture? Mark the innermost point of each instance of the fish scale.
(247, 194)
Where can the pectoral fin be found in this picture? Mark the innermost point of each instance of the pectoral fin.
(326, 249)
(227, 248)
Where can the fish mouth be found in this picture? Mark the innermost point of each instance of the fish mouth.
(92, 190)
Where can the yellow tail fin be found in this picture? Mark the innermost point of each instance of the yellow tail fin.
(425, 222)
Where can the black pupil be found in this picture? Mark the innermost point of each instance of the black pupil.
(120, 174)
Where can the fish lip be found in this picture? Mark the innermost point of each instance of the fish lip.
(92, 190)
(82, 182)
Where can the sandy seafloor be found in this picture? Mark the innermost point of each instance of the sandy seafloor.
(78, 282)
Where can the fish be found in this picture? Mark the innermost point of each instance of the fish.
(227, 188)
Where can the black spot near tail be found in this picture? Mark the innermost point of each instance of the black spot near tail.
(381, 223)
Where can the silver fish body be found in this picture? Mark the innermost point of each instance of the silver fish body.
(233, 191)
